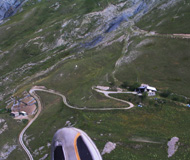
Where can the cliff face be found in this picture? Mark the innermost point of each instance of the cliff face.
(8, 7)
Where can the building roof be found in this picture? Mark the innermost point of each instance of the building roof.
(142, 87)
(151, 88)
(23, 112)
(146, 86)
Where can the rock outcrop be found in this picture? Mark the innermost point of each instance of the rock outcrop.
(109, 147)
(172, 146)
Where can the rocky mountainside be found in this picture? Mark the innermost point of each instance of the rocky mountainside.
(9, 7)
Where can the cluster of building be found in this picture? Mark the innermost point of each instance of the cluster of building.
(23, 107)
(151, 91)
(16, 114)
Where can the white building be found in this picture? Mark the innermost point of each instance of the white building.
(146, 88)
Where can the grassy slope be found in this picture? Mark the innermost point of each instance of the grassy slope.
(91, 70)
(163, 63)
(171, 20)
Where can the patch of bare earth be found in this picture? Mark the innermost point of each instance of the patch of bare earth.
(144, 140)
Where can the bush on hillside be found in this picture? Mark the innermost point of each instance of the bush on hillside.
(25, 121)
(2, 110)
(165, 93)
(144, 96)
(175, 97)
(131, 87)
(112, 83)
(134, 86)
(125, 84)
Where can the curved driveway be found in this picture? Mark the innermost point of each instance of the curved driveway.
(32, 92)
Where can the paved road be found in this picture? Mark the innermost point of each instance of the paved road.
(32, 92)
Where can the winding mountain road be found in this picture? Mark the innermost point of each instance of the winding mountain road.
(43, 89)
